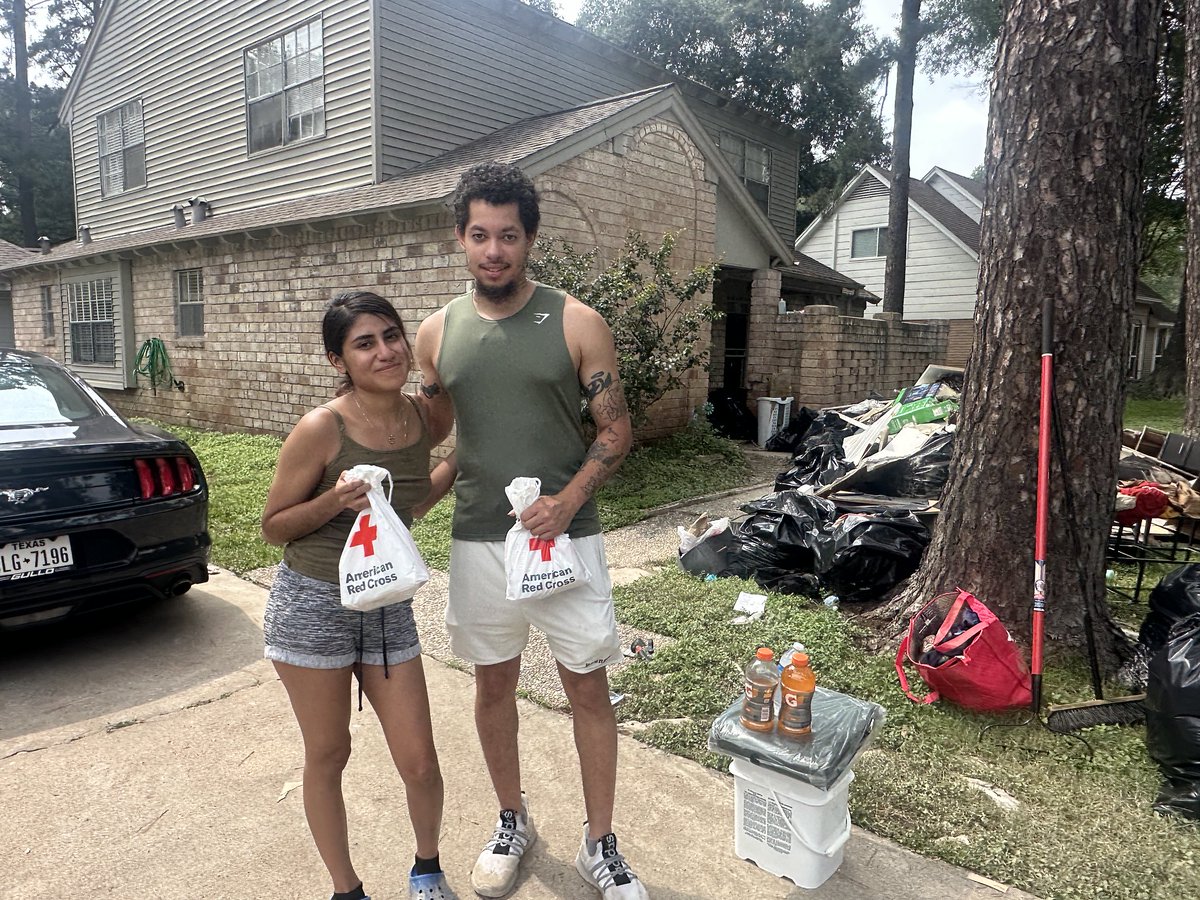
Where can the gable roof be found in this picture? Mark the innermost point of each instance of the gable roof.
(972, 187)
(537, 144)
(941, 213)
(561, 30)
(10, 253)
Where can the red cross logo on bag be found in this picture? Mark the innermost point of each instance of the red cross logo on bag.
(545, 546)
(365, 536)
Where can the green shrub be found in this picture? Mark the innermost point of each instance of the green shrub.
(656, 316)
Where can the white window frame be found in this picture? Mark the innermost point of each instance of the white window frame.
(284, 76)
(754, 173)
(1162, 337)
(92, 296)
(881, 233)
(189, 302)
(1137, 334)
(121, 139)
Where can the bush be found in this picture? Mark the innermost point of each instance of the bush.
(656, 319)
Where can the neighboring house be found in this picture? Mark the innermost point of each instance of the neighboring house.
(234, 170)
(9, 253)
(942, 269)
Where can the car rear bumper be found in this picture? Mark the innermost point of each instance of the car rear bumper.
(153, 555)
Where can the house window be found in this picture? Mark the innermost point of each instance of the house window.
(285, 88)
(189, 302)
(1135, 351)
(1161, 337)
(93, 333)
(122, 149)
(869, 242)
(47, 311)
(752, 163)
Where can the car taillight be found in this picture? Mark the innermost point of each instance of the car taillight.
(145, 478)
(164, 476)
(187, 478)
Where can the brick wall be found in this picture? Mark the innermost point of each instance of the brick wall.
(824, 359)
(260, 364)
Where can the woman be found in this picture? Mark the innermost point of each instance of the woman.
(314, 642)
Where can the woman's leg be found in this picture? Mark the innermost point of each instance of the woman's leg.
(321, 701)
(401, 701)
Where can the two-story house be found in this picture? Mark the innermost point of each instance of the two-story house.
(942, 272)
(236, 165)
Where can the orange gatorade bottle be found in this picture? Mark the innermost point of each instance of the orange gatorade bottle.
(758, 704)
(797, 685)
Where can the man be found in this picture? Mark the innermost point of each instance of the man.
(510, 360)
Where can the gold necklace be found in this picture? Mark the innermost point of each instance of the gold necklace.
(391, 435)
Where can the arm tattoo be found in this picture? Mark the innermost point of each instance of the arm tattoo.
(603, 454)
(430, 390)
(611, 404)
(598, 384)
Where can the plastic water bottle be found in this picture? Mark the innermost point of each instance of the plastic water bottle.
(797, 687)
(758, 702)
(786, 659)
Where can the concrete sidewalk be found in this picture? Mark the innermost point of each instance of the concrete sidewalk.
(195, 794)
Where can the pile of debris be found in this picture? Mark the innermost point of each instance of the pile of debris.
(850, 515)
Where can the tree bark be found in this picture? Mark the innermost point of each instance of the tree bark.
(1191, 166)
(906, 68)
(24, 123)
(1070, 94)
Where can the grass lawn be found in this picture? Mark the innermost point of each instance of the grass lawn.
(1165, 415)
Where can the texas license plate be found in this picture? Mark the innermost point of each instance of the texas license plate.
(38, 556)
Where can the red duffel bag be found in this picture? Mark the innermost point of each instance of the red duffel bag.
(963, 652)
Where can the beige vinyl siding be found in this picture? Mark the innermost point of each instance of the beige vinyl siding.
(941, 278)
(455, 70)
(184, 61)
(955, 195)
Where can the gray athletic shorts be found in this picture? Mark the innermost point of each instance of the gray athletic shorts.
(306, 625)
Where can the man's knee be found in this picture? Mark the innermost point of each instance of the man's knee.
(587, 692)
(498, 683)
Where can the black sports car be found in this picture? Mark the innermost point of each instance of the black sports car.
(94, 511)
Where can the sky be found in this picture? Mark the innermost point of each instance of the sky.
(949, 113)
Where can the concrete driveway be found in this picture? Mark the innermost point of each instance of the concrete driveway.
(154, 755)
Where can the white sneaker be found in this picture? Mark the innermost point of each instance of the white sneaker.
(495, 871)
(606, 870)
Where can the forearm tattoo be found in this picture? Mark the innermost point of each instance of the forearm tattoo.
(430, 390)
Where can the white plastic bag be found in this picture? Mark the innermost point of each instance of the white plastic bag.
(537, 568)
(380, 563)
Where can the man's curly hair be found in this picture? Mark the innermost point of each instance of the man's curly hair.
(497, 184)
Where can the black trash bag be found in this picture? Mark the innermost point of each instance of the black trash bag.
(1174, 598)
(819, 461)
(921, 475)
(789, 438)
(712, 556)
(730, 417)
(777, 543)
(827, 422)
(1173, 719)
(868, 554)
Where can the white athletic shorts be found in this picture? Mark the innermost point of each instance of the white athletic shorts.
(486, 629)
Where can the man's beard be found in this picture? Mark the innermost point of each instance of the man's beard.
(501, 293)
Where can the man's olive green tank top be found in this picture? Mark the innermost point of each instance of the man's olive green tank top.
(518, 407)
(318, 553)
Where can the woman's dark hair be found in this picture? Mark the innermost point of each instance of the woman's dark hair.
(343, 311)
(497, 184)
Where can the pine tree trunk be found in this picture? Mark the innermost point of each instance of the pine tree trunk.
(906, 68)
(24, 123)
(1070, 94)
(1191, 177)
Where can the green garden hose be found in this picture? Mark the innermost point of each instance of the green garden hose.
(155, 364)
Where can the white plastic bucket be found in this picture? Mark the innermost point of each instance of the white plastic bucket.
(788, 827)
(773, 414)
